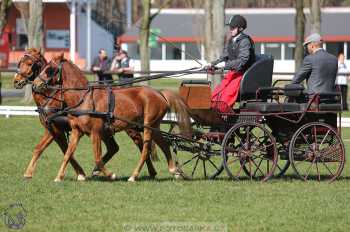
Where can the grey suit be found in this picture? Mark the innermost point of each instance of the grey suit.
(320, 70)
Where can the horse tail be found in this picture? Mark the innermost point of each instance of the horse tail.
(179, 107)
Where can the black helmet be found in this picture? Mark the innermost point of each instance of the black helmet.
(238, 21)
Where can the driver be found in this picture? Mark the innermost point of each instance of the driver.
(238, 56)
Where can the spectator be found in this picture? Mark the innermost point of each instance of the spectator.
(123, 65)
(342, 80)
(101, 65)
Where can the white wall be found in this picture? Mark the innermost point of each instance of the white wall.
(100, 38)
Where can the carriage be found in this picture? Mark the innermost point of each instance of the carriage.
(269, 130)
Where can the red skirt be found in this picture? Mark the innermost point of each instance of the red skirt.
(225, 95)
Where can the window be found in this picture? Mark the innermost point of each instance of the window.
(22, 41)
(348, 51)
(156, 52)
(289, 49)
(335, 48)
(133, 50)
(173, 51)
(257, 48)
(273, 49)
(193, 51)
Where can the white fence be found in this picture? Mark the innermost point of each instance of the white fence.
(8, 111)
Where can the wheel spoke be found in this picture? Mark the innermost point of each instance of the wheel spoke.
(189, 160)
(318, 172)
(195, 166)
(328, 168)
(240, 140)
(324, 138)
(302, 135)
(212, 163)
(258, 167)
(240, 168)
(308, 171)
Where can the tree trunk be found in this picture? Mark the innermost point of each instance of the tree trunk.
(299, 33)
(3, 13)
(315, 16)
(32, 14)
(214, 32)
(144, 35)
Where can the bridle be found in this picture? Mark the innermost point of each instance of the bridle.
(36, 67)
(52, 74)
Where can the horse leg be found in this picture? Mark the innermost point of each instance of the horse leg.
(137, 138)
(147, 139)
(96, 144)
(112, 149)
(75, 137)
(62, 143)
(165, 147)
(45, 141)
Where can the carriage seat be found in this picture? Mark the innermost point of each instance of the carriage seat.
(272, 107)
(259, 75)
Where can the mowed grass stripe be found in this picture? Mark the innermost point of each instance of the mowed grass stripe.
(279, 205)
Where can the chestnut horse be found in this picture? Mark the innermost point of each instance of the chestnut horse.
(128, 107)
(29, 67)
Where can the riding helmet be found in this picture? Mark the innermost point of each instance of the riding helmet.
(238, 21)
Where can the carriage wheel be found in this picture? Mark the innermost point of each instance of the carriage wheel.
(200, 164)
(249, 148)
(317, 152)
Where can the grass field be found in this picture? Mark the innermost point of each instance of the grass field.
(285, 204)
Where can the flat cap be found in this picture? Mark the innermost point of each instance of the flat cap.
(313, 38)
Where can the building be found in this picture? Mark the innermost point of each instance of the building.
(271, 29)
(61, 18)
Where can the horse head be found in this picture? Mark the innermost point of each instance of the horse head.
(29, 67)
(51, 74)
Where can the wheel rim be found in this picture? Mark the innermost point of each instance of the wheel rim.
(317, 152)
(249, 149)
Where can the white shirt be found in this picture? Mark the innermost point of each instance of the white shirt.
(342, 79)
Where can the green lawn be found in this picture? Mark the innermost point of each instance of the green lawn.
(285, 204)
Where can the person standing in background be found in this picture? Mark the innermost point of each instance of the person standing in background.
(123, 66)
(102, 65)
(342, 80)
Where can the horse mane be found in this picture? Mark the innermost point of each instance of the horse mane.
(75, 76)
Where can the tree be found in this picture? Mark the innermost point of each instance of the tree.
(144, 33)
(299, 33)
(32, 15)
(315, 16)
(214, 38)
(3, 14)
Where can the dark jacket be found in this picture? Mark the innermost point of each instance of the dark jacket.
(238, 54)
(320, 71)
(104, 66)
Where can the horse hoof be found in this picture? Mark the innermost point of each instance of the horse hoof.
(178, 176)
(131, 179)
(27, 177)
(81, 177)
(113, 177)
(58, 180)
(96, 173)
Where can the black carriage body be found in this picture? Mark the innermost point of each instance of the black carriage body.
(283, 122)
